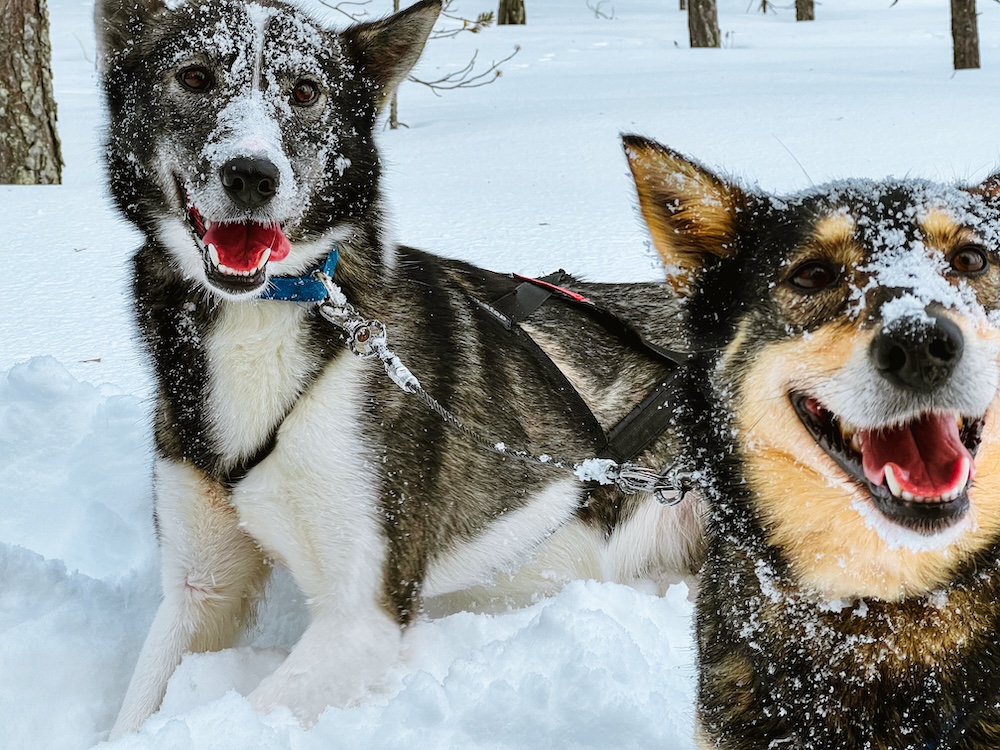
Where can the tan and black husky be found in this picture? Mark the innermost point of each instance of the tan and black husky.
(241, 143)
(849, 455)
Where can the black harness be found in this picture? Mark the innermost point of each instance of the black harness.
(651, 417)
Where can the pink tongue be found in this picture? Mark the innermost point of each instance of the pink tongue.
(240, 246)
(927, 455)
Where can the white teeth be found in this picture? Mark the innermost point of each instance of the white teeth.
(963, 480)
(964, 476)
(856, 444)
(894, 487)
(213, 255)
(898, 491)
(849, 434)
(233, 272)
(263, 259)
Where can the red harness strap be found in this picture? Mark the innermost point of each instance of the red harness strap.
(576, 297)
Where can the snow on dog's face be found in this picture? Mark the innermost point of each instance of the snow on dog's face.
(857, 328)
(241, 133)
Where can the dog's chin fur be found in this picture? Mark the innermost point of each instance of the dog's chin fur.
(825, 522)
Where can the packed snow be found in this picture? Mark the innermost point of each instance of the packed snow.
(523, 175)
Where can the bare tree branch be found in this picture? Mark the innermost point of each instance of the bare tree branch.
(354, 15)
(464, 78)
(598, 9)
(482, 21)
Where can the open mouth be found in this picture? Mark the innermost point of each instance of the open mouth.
(918, 473)
(236, 254)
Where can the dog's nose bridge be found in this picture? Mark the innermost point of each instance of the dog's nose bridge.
(886, 304)
(919, 351)
(246, 151)
(881, 299)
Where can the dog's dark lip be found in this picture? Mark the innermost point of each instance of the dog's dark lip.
(195, 221)
(235, 284)
(190, 212)
(925, 517)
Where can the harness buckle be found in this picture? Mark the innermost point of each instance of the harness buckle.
(668, 486)
(673, 486)
(367, 337)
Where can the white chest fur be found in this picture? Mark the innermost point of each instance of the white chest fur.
(311, 501)
(258, 362)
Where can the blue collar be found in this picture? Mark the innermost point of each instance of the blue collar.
(301, 288)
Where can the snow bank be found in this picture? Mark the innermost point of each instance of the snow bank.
(79, 572)
(598, 666)
(74, 465)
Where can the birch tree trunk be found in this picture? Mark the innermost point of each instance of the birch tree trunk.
(965, 34)
(30, 152)
(703, 23)
(511, 12)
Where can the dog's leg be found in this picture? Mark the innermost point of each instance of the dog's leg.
(212, 574)
(333, 545)
(340, 659)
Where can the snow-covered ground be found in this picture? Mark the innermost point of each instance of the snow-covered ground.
(523, 175)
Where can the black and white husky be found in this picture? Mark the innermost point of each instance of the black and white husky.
(241, 143)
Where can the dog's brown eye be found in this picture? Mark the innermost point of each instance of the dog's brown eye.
(305, 93)
(195, 78)
(969, 260)
(814, 275)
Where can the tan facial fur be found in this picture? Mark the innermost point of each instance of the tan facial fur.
(943, 233)
(813, 512)
(832, 240)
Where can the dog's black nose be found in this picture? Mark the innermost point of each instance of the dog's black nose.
(919, 355)
(249, 182)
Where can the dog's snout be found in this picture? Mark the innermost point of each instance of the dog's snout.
(249, 182)
(918, 356)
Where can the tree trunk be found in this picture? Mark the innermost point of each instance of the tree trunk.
(965, 34)
(511, 12)
(703, 23)
(29, 144)
(805, 10)
(394, 101)
(684, 4)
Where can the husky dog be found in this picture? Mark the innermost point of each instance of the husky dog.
(849, 456)
(241, 144)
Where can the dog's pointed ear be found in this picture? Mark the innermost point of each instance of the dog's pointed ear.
(390, 47)
(989, 188)
(115, 23)
(690, 212)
